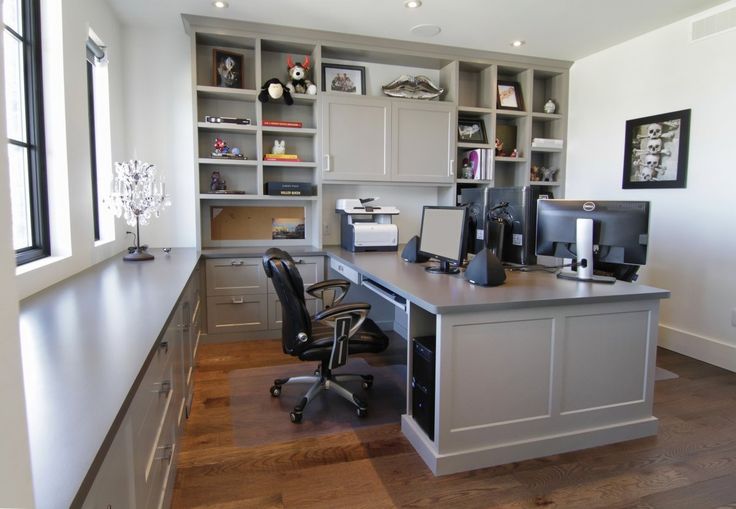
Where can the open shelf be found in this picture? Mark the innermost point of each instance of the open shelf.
(473, 181)
(289, 164)
(228, 162)
(537, 149)
(255, 197)
(226, 127)
(465, 144)
(289, 131)
(501, 159)
(240, 94)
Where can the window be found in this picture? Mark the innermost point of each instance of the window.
(24, 112)
(93, 54)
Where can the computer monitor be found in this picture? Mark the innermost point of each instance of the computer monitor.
(442, 236)
(613, 232)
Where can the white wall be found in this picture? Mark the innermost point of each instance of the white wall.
(692, 230)
(16, 489)
(158, 84)
(65, 30)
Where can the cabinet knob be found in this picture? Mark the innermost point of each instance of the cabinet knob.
(327, 163)
(164, 453)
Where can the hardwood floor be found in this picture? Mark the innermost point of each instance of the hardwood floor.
(691, 463)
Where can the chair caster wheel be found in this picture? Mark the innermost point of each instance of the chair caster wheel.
(316, 372)
(296, 418)
(275, 391)
(367, 385)
(362, 412)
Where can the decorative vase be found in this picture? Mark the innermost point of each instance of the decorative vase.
(549, 106)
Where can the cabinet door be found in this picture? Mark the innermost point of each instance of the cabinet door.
(237, 313)
(113, 486)
(423, 141)
(356, 133)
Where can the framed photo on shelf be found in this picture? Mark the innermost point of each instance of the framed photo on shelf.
(471, 130)
(227, 69)
(508, 96)
(656, 151)
(343, 78)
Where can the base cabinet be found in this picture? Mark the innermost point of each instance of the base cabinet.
(140, 465)
(250, 305)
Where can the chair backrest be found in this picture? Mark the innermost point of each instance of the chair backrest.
(287, 282)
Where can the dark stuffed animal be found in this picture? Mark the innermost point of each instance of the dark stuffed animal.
(274, 89)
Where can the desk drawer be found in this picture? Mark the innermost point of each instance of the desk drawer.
(311, 269)
(235, 276)
(237, 313)
(348, 273)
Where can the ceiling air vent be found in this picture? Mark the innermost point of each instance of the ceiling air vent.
(714, 24)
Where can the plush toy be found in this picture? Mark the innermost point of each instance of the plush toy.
(298, 82)
(279, 147)
(274, 89)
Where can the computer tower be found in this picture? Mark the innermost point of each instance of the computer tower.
(476, 198)
(520, 218)
(422, 383)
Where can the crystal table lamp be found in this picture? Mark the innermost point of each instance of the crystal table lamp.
(138, 193)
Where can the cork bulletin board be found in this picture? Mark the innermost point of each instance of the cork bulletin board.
(256, 223)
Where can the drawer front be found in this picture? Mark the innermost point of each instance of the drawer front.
(161, 463)
(311, 269)
(235, 276)
(237, 313)
(275, 310)
(345, 271)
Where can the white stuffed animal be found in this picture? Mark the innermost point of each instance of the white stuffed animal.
(279, 147)
(298, 82)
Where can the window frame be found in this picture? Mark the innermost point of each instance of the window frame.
(93, 142)
(35, 144)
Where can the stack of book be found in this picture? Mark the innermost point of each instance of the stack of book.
(281, 123)
(480, 161)
(290, 158)
(551, 143)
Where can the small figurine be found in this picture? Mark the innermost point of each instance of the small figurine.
(534, 174)
(515, 153)
(217, 183)
(499, 147)
(467, 170)
(548, 174)
(222, 150)
(550, 106)
(279, 147)
(298, 82)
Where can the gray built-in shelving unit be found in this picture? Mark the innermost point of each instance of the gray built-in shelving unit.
(368, 138)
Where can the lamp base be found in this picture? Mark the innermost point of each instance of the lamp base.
(138, 256)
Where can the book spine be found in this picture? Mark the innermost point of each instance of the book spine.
(280, 123)
(284, 159)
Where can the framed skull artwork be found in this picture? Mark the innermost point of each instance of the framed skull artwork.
(655, 151)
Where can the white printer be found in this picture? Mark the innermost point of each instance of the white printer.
(366, 227)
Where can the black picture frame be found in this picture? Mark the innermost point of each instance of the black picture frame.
(509, 96)
(656, 151)
(471, 130)
(352, 80)
(227, 69)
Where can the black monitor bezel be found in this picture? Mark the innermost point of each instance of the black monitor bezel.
(462, 247)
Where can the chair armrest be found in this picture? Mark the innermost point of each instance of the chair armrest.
(330, 291)
(355, 309)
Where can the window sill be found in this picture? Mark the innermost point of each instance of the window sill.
(43, 262)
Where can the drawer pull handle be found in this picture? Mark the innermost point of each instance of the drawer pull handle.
(164, 453)
(163, 387)
(236, 263)
(238, 300)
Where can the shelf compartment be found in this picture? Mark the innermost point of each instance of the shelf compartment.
(299, 145)
(230, 94)
(476, 85)
(549, 85)
(243, 140)
(244, 46)
(304, 113)
(237, 178)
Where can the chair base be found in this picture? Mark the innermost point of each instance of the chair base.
(323, 379)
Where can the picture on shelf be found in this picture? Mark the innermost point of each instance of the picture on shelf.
(343, 78)
(227, 69)
(287, 228)
(509, 96)
(656, 151)
(471, 130)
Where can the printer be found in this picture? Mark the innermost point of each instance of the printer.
(366, 227)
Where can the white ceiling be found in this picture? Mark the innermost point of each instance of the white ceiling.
(563, 29)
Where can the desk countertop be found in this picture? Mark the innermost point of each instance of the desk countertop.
(442, 293)
(85, 342)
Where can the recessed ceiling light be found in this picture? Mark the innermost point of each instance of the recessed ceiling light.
(220, 4)
(518, 44)
(426, 30)
(412, 4)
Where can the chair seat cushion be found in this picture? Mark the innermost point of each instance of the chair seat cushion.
(369, 339)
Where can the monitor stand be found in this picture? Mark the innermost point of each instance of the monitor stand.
(444, 268)
(584, 244)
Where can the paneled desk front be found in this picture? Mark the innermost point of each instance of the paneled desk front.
(535, 367)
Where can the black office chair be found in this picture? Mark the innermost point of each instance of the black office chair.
(328, 337)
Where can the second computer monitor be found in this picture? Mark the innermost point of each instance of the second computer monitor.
(442, 236)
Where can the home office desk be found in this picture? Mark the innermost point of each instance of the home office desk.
(535, 367)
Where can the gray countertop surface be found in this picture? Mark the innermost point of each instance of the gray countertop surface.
(85, 343)
(442, 293)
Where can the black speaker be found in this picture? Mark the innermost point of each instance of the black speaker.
(495, 229)
(475, 198)
(485, 269)
(411, 252)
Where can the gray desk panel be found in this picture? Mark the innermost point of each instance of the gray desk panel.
(257, 252)
(442, 293)
(84, 342)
